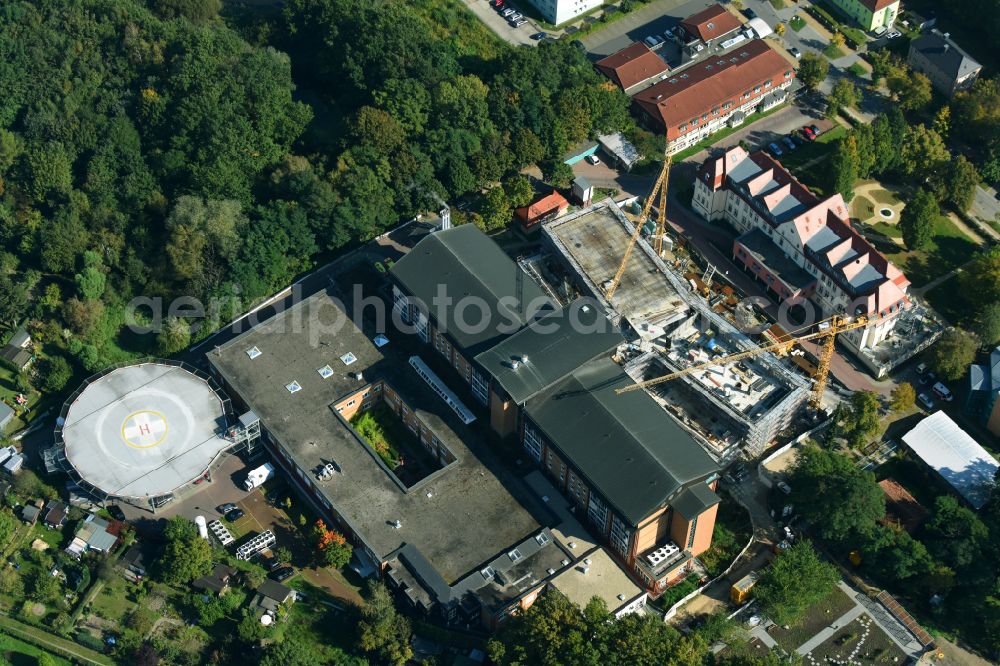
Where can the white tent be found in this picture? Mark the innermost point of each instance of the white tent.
(760, 27)
(959, 459)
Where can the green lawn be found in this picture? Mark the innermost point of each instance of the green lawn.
(890, 230)
(731, 533)
(816, 618)
(942, 298)
(857, 70)
(949, 249)
(113, 602)
(796, 23)
(813, 150)
(16, 652)
(834, 52)
(852, 645)
(778, 4)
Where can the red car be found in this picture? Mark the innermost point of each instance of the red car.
(808, 133)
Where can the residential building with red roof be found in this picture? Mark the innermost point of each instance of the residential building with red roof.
(633, 66)
(710, 24)
(548, 207)
(800, 246)
(718, 92)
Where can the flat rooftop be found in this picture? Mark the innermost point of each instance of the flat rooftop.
(144, 430)
(593, 242)
(457, 519)
(597, 575)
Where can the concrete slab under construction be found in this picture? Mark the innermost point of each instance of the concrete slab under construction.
(593, 241)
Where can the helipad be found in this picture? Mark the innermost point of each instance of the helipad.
(145, 430)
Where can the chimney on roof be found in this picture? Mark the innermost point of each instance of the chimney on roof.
(947, 35)
(945, 47)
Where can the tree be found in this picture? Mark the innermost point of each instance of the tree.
(196, 11)
(861, 419)
(495, 209)
(557, 173)
(837, 40)
(779, 29)
(332, 547)
(844, 95)
(186, 555)
(796, 580)
(813, 69)
(917, 220)
(987, 324)
(13, 302)
(960, 182)
(283, 555)
(911, 89)
(834, 495)
(955, 534)
(951, 355)
(982, 278)
(923, 153)
(46, 659)
(942, 121)
(903, 397)
(843, 171)
(174, 336)
(895, 556)
(519, 191)
(381, 630)
(8, 523)
(57, 373)
(977, 113)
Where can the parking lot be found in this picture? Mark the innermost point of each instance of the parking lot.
(498, 24)
(654, 18)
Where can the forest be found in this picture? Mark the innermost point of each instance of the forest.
(160, 149)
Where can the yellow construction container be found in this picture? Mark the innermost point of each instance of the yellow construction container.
(741, 589)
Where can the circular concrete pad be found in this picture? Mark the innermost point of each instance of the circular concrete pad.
(144, 430)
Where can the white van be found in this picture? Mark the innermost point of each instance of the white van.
(941, 391)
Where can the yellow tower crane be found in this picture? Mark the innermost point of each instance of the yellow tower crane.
(660, 186)
(827, 334)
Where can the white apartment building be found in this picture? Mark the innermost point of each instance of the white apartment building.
(558, 12)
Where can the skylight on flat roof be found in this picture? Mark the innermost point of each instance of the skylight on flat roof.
(487, 573)
(380, 340)
(348, 358)
(325, 372)
(293, 387)
(253, 353)
(542, 539)
(514, 555)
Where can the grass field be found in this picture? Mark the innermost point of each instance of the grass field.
(813, 150)
(890, 230)
(17, 652)
(949, 249)
(816, 618)
(833, 52)
(942, 298)
(796, 23)
(861, 642)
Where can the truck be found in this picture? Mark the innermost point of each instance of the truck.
(257, 477)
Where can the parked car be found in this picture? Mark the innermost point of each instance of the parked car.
(788, 142)
(516, 16)
(795, 53)
(226, 508)
(921, 368)
(749, 13)
(653, 41)
(275, 565)
(816, 130)
(592, 159)
(507, 12)
(775, 149)
(283, 574)
(116, 512)
(926, 401)
(234, 515)
(540, 35)
(519, 22)
(928, 379)
(943, 392)
(797, 138)
(808, 133)
(879, 31)
(893, 34)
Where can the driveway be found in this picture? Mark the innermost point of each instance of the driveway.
(986, 208)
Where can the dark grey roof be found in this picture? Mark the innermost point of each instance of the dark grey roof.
(626, 445)
(468, 264)
(272, 589)
(769, 254)
(15, 356)
(6, 413)
(945, 55)
(986, 377)
(581, 182)
(555, 346)
(477, 492)
(695, 499)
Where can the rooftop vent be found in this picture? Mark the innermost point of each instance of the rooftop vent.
(564, 562)
(325, 372)
(397, 524)
(348, 358)
(710, 26)
(293, 387)
(253, 353)
(587, 561)
(621, 597)
(551, 571)
(585, 570)
(359, 376)
(523, 358)
(572, 545)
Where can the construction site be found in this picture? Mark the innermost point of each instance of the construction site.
(663, 309)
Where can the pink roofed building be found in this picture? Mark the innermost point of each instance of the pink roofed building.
(799, 246)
